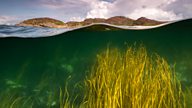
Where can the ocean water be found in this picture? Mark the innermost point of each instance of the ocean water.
(37, 61)
(28, 32)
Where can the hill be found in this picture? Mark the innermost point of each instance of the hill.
(146, 22)
(43, 22)
(117, 20)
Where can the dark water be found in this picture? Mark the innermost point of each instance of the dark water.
(32, 65)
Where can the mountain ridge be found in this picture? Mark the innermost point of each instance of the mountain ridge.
(116, 20)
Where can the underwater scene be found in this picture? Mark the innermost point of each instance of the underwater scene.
(98, 66)
(95, 54)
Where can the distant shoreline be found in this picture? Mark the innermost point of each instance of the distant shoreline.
(113, 21)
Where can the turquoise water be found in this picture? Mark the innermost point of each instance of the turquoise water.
(39, 66)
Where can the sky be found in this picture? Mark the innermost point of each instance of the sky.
(14, 11)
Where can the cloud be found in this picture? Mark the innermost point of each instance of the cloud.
(183, 7)
(100, 9)
(66, 9)
(76, 19)
(155, 13)
(158, 9)
(134, 9)
(7, 20)
(64, 4)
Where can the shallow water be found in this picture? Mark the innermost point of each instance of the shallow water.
(29, 64)
(28, 32)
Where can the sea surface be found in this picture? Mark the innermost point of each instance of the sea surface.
(28, 32)
(39, 60)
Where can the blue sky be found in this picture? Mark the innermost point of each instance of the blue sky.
(13, 11)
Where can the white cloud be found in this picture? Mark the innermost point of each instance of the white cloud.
(134, 9)
(154, 9)
(77, 10)
(76, 19)
(99, 9)
(154, 13)
(66, 10)
(7, 20)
